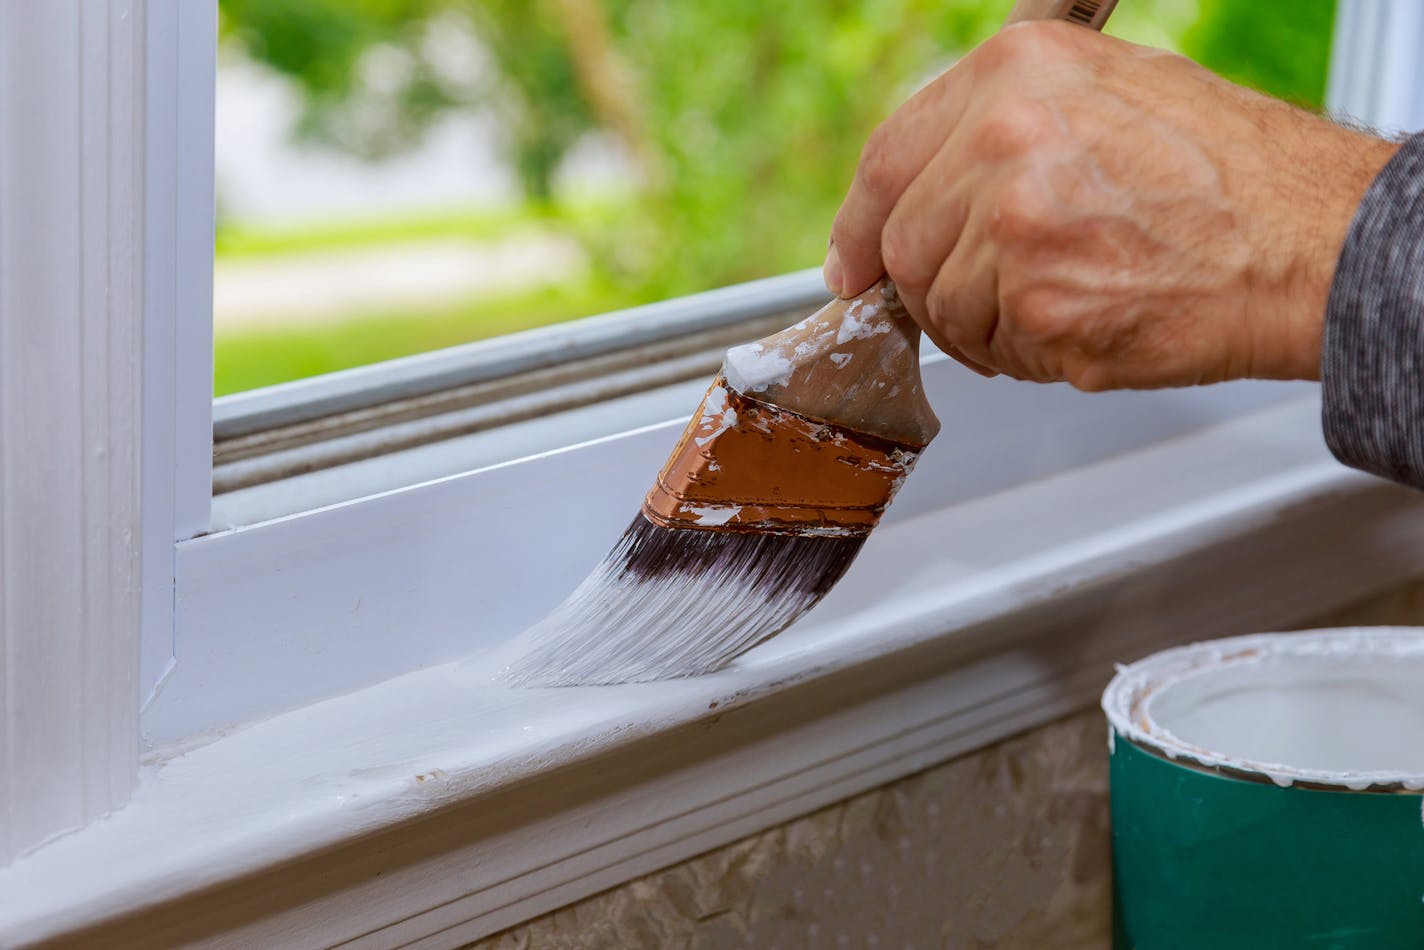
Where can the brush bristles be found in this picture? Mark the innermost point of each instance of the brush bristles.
(670, 602)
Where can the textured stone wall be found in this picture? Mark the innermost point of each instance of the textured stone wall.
(1006, 848)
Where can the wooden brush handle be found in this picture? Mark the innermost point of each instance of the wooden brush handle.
(856, 363)
(1090, 13)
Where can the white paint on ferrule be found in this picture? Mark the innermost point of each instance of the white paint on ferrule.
(717, 416)
(714, 515)
(752, 367)
(1340, 708)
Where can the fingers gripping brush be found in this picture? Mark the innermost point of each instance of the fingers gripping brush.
(799, 445)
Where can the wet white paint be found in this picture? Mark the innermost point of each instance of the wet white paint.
(756, 367)
(713, 515)
(1359, 713)
(864, 319)
(1342, 708)
(753, 367)
(717, 416)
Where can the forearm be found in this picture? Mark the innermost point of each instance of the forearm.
(1373, 349)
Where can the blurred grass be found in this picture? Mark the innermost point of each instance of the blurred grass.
(237, 240)
(286, 347)
(274, 354)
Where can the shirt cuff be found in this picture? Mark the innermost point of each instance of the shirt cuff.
(1372, 364)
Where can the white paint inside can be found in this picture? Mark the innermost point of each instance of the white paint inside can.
(1353, 713)
(1341, 708)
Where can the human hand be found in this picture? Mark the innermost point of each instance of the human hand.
(1063, 205)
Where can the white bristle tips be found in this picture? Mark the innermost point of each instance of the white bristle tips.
(668, 603)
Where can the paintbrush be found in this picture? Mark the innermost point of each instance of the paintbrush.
(799, 445)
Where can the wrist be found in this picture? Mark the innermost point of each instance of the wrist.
(1333, 179)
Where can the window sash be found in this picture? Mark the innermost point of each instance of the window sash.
(317, 424)
(501, 358)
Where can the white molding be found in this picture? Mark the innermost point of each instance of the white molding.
(436, 807)
(309, 606)
(1376, 65)
(180, 67)
(71, 353)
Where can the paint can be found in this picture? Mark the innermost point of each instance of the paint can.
(1266, 793)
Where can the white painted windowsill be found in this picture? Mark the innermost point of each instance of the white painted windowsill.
(436, 807)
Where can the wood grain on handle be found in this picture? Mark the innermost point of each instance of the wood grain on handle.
(1090, 13)
(855, 363)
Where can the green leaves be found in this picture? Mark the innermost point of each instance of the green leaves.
(1278, 46)
(743, 118)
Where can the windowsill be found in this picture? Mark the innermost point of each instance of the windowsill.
(304, 607)
(437, 807)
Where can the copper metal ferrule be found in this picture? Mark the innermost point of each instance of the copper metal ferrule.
(745, 465)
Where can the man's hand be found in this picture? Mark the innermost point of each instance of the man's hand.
(1062, 205)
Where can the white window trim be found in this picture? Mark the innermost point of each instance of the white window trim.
(1376, 70)
(70, 380)
(179, 70)
(105, 429)
(427, 810)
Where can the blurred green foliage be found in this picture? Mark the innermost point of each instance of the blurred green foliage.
(744, 118)
(1279, 46)
(280, 350)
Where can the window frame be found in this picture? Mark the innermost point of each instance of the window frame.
(996, 671)
(195, 642)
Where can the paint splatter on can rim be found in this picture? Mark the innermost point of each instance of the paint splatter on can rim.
(1339, 709)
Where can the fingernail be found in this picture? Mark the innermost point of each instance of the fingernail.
(831, 271)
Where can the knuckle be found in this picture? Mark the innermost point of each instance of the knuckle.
(944, 316)
(903, 257)
(939, 313)
(1023, 42)
(1014, 128)
(1038, 314)
(1003, 50)
(1087, 377)
(1022, 211)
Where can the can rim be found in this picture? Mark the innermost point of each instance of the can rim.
(1125, 701)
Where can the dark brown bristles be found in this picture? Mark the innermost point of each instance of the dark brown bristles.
(670, 602)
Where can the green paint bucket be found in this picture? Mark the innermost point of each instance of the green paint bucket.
(1266, 793)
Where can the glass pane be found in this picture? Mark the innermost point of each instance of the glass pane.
(401, 175)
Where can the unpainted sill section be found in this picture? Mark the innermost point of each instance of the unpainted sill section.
(437, 807)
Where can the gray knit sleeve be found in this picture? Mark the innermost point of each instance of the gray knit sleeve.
(1372, 366)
